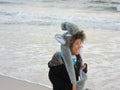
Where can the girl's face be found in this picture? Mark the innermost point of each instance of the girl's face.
(77, 45)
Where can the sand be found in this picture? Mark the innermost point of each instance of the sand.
(7, 83)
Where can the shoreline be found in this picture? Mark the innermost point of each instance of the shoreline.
(9, 83)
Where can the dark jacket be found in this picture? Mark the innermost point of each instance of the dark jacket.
(58, 74)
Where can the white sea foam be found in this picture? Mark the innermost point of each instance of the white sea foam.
(11, 17)
(118, 8)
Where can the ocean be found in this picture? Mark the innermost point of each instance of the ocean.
(28, 27)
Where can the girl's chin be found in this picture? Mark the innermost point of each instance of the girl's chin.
(77, 53)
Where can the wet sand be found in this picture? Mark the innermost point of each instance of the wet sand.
(7, 83)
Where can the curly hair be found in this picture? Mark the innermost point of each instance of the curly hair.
(79, 35)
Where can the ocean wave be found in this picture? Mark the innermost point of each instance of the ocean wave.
(21, 17)
(11, 17)
(105, 1)
(103, 5)
(8, 2)
(9, 13)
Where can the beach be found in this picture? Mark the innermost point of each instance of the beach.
(27, 43)
(7, 83)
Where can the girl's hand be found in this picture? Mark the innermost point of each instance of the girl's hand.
(84, 67)
(74, 87)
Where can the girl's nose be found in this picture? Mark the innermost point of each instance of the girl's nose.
(81, 46)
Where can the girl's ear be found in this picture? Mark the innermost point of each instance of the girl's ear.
(60, 39)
